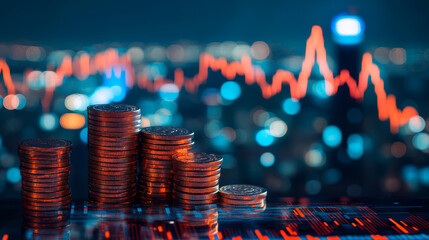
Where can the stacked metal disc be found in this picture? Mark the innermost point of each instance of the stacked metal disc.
(113, 131)
(196, 178)
(158, 145)
(243, 196)
(45, 168)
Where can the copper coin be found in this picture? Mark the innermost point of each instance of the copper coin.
(45, 195)
(241, 202)
(105, 183)
(155, 179)
(44, 185)
(44, 189)
(166, 142)
(197, 184)
(45, 156)
(196, 179)
(197, 160)
(156, 175)
(243, 192)
(117, 144)
(166, 133)
(201, 173)
(262, 204)
(167, 147)
(123, 129)
(112, 194)
(114, 119)
(45, 171)
(121, 123)
(106, 153)
(102, 187)
(99, 199)
(155, 184)
(114, 139)
(47, 144)
(113, 171)
(113, 110)
(165, 165)
(149, 171)
(97, 134)
(199, 197)
(113, 165)
(163, 152)
(43, 166)
(154, 156)
(112, 159)
(111, 177)
(196, 190)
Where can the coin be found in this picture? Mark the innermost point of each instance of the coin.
(197, 160)
(243, 192)
(113, 110)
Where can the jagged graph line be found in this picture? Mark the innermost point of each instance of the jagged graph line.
(105, 62)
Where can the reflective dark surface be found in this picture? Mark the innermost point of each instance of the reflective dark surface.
(285, 218)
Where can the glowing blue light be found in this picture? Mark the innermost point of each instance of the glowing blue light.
(424, 176)
(84, 135)
(291, 106)
(118, 93)
(355, 146)
(22, 101)
(410, 174)
(230, 90)
(48, 122)
(421, 141)
(102, 95)
(332, 136)
(13, 175)
(319, 89)
(169, 92)
(1, 102)
(267, 159)
(264, 138)
(221, 142)
(348, 29)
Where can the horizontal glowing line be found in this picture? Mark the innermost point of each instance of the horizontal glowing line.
(105, 62)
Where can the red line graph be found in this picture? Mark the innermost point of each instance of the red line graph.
(105, 62)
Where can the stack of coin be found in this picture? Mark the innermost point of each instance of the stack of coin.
(243, 196)
(113, 131)
(158, 145)
(196, 178)
(45, 168)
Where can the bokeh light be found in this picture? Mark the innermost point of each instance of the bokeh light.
(13, 175)
(48, 121)
(76, 102)
(291, 106)
(332, 136)
(72, 121)
(267, 159)
(421, 141)
(230, 90)
(264, 138)
(416, 124)
(169, 92)
(355, 146)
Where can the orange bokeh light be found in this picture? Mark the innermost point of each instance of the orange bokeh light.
(72, 121)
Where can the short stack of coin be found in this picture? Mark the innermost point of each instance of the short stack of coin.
(196, 178)
(45, 168)
(113, 131)
(158, 145)
(243, 196)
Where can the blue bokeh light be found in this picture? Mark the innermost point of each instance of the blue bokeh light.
(355, 146)
(169, 92)
(230, 90)
(348, 29)
(267, 159)
(13, 175)
(84, 135)
(332, 136)
(291, 106)
(264, 138)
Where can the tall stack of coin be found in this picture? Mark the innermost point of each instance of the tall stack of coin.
(158, 145)
(45, 168)
(113, 131)
(243, 196)
(196, 178)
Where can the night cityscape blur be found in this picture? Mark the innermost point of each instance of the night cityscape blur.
(212, 67)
